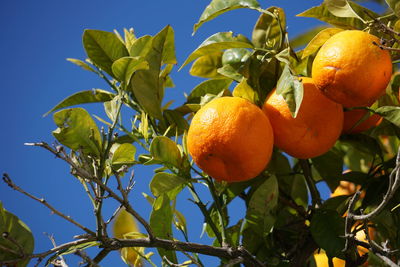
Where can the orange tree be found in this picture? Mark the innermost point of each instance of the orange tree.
(286, 222)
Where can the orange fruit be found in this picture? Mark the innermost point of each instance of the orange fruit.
(356, 122)
(316, 127)
(351, 69)
(321, 260)
(230, 139)
(345, 188)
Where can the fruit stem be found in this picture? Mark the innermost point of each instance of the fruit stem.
(315, 196)
(204, 210)
(217, 202)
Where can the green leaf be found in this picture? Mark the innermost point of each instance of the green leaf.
(235, 57)
(141, 46)
(291, 88)
(206, 66)
(83, 97)
(165, 150)
(322, 13)
(244, 90)
(218, 7)
(267, 31)
(81, 64)
(124, 154)
(327, 229)
(299, 192)
(161, 219)
(18, 231)
(103, 48)
(395, 6)
(175, 118)
(125, 67)
(167, 183)
(305, 37)
(230, 72)
(341, 8)
(213, 87)
(390, 113)
(218, 42)
(319, 40)
(147, 85)
(330, 167)
(262, 204)
(77, 130)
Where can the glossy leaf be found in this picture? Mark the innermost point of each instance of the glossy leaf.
(77, 130)
(167, 183)
(299, 192)
(267, 31)
(146, 85)
(330, 167)
(291, 88)
(218, 42)
(235, 57)
(390, 113)
(208, 87)
(124, 154)
(341, 8)
(262, 204)
(322, 13)
(218, 7)
(103, 48)
(165, 150)
(319, 40)
(18, 231)
(125, 67)
(327, 229)
(207, 66)
(175, 119)
(141, 46)
(161, 219)
(83, 97)
(304, 38)
(81, 64)
(229, 72)
(395, 6)
(244, 90)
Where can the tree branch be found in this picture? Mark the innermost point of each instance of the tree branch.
(10, 183)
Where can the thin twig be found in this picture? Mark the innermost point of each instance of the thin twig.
(86, 258)
(10, 183)
(86, 175)
(42, 255)
(316, 198)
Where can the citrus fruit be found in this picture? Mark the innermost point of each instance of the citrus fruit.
(230, 139)
(316, 127)
(125, 223)
(358, 120)
(345, 188)
(321, 260)
(351, 69)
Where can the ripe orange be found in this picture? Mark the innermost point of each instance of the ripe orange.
(315, 129)
(355, 121)
(351, 69)
(230, 139)
(345, 188)
(321, 260)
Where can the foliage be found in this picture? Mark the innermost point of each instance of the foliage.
(286, 221)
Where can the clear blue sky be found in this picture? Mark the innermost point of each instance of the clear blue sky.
(36, 38)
